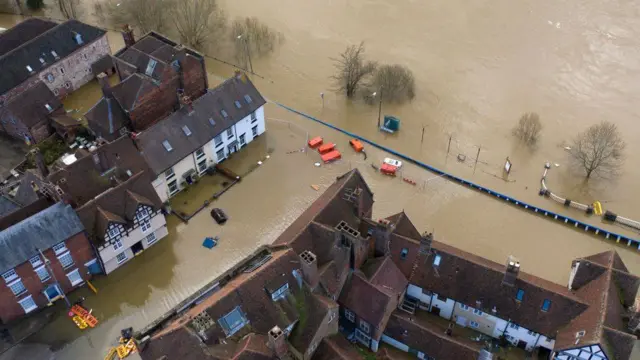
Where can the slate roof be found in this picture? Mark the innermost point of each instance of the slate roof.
(469, 278)
(7, 205)
(180, 344)
(103, 64)
(23, 32)
(60, 39)
(131, 89)
(40, 231)
(109, 108)
(384, 273)
(335, 347)
(378, 305)
(29, 107)
(206, 107)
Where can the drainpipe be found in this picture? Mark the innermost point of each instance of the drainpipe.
(506, 327)
(536, 343)
(454, 309)
(431, 302)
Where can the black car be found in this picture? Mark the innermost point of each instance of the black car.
(219, 216)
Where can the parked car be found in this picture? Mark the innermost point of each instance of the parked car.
(393, 162)
(219, 216)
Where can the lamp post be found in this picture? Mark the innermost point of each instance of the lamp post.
(322, 96)
(379, 104)
(246, 48)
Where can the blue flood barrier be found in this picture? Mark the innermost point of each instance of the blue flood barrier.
(537, 210)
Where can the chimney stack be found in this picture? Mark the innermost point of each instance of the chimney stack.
(310, 268)
(511, 273)
(425, 243)
(103, 80)
(127, 35)
(382, 234)
(185, 101)
(42, 167)
(278, 342)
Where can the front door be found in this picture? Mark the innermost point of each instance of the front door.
(522, 345)
(435, 310)
(232, 148)
(137, 248)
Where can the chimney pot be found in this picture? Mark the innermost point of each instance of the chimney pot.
(309, 265)
(278, 342)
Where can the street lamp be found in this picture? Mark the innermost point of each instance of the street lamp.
(246, 47)
(322, 96)
(379, 104)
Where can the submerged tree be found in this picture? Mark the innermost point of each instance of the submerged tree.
(598, 150)
(197, 21)
(142, 15)
(528, 128)
(70, 9)
(397, 83)
(251, 35)
(351, 69)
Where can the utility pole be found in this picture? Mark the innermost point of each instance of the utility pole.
(477, 156)
(380, 107)
(449, 146)
(53, 275)
(422, 139)
(246, 47)
(322, 96)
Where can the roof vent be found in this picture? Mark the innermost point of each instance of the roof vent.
(511, 273)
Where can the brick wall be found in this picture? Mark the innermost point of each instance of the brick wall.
(81, 252)
(158, 103)
(194, 76)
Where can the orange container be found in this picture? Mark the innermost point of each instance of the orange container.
(326, 148)
(315, 142)
(388, 169)
(356, 145)
(331, 156)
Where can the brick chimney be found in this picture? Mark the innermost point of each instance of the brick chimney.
(278, 342)
(42, 167)
(511, 273)
(382, 234)
(425, 243)
(309, 268)
(103, 80)
(127, 36)
(185, 101)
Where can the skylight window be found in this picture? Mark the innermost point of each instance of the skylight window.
(436, 260)
(29, 68)
(150, 67)
(212, 122)
(546, 304)
(55, 54)
(48, 107)
(238, 105)
(166, 145)
(186, 130)
(224, 113)
(248, 99)
(42, 61)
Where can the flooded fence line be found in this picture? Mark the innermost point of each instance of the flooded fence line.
(469, 184)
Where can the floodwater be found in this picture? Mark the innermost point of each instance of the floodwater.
(478, 66)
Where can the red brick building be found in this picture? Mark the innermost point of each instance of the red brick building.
(155, 75)
(55, 235)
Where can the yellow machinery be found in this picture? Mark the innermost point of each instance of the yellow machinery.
(597, 208)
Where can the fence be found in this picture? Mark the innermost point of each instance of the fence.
(512, 201)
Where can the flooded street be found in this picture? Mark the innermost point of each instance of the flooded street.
(478, 67)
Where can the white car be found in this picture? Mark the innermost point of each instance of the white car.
(393, 162)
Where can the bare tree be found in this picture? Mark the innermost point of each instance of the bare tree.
(70, 9)
(598, 150)
(249, 34)
(528, 128)
(197, 21)
(397, 83)
(142, 15)
(352, 68)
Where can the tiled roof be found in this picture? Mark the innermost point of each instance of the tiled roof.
(253, 347)
(23, 32)
(29, 107)
(335, 347)
(60, 39)
(403, 225)
(131, 89)
(103, 64)
(470, 279)
(180, 344)
(106, 117)
(429, 338)
(38, 232)
(206, 107)
(376, 309)
(384, 273)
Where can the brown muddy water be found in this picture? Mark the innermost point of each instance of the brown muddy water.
(478, 65)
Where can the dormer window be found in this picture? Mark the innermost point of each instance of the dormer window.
(114, 232)
(237, 103)
(29, 69)
(280, 293)
(224, 113)
(167, 146)
(233, 321)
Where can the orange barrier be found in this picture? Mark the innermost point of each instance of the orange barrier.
(326, 148)
(85, 315)
(409, 181)
(331, 156)
(356, 145)
(315, 142)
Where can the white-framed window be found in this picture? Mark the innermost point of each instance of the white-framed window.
(169, 174)
(474, 324)
(243, 140)
(143, 213)
(74, 277)
(10, 275)
(151, 238)
(59, 248)
(173, 187)
(220, 154)
(229, 133)
(122, 257)
(43, 274)
(477, 312)
(233, 321)
(145, 226)
(202, 166)
(114, 232)
(117, 245)
(254, 131)
(28, 305)
(35, 261)
(281, 292)
(254, 118)
(65, 260)
(17, 287)
(362, 337)
(364, 326)
(350, 315)
(217, 140)
(199, 153)
(514, 326)
(464, 307)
